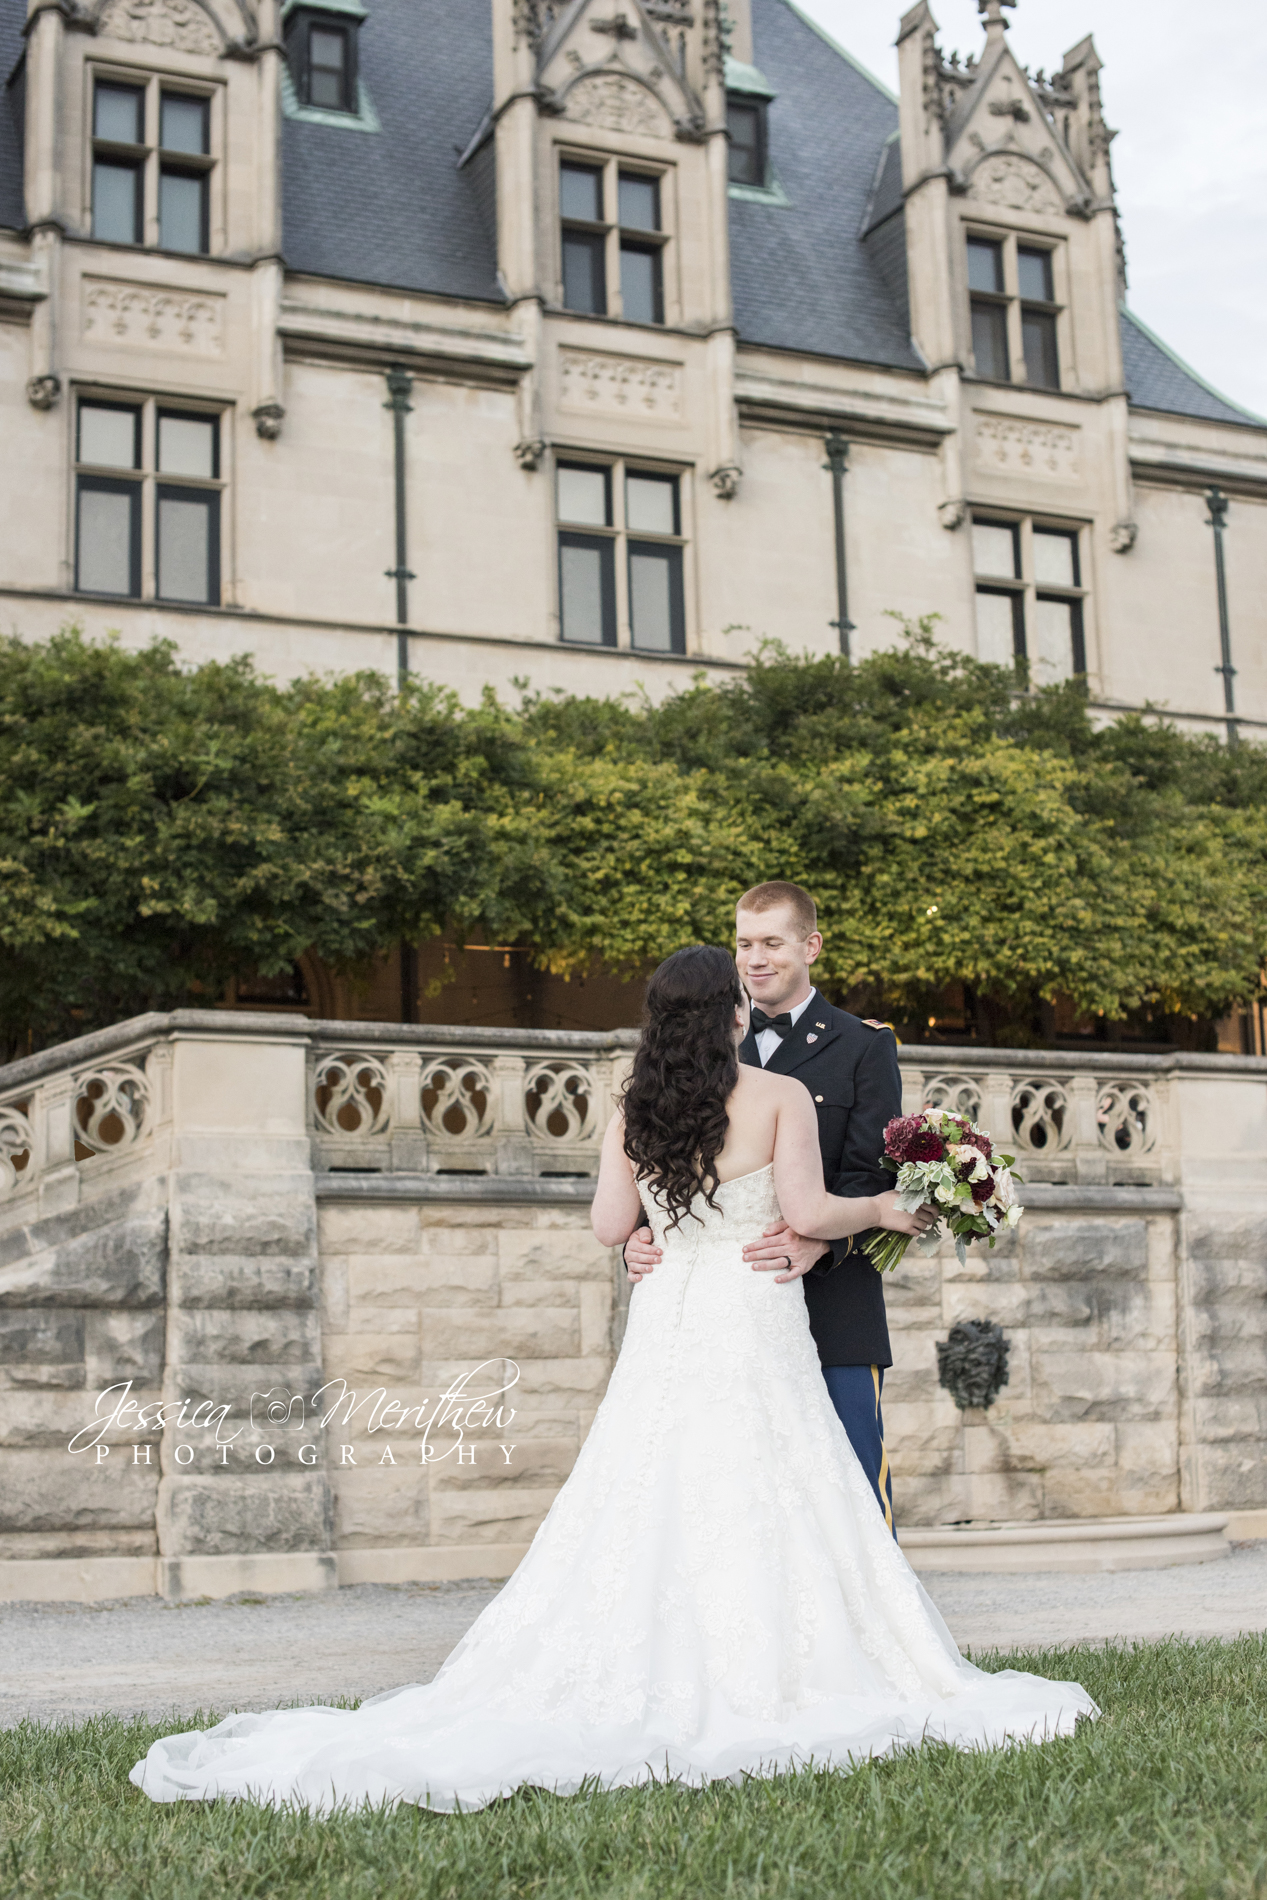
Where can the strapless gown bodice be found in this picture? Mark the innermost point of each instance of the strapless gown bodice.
(713, 1593)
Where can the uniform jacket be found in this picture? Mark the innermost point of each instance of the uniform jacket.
(850, 1069)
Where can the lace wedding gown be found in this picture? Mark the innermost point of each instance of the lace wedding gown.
(713, 1593)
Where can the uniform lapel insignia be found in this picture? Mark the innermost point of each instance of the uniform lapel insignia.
(811, 1037)
(820, 1025)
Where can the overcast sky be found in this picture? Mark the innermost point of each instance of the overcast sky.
(1184, 87)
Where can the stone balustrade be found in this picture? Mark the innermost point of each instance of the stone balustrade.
(241, 1210)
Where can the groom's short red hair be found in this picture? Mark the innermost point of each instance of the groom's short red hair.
(770, 896)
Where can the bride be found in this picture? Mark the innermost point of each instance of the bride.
(714, 1592)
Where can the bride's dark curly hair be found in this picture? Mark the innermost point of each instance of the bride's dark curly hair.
(686, 1065)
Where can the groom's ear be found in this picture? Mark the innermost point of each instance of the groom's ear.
(813, 945)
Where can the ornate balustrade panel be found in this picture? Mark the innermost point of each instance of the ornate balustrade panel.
(1062, 1124)
(82, 1121)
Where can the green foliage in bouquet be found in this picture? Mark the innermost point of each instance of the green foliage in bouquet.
(164, 827)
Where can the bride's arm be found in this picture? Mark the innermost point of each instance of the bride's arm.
(804, 1202)
(617, 1208)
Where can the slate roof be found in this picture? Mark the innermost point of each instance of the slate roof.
(391, 207)
(802, 277)
(1157, 379)
(12, 208)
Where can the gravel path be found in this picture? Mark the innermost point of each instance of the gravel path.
(62, 1661)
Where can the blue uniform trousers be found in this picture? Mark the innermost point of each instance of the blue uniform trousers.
(855, 1393)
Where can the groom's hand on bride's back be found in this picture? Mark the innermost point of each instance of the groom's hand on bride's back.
(640, 1254)
(782, 1247)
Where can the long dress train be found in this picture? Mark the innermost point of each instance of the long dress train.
(713, 1593)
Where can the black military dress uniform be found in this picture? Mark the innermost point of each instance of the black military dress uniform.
(850, 1068)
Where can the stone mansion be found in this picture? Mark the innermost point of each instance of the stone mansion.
(589, 341)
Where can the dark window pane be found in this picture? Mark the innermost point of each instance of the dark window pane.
(188, 552)
(187, 446)
(1000, 627)
(640, 284)
(655, 597)
(651, 504)
(109, 435)
(1033, 270)
(327, 69)
(182, 211)
(743, 122)
(581, 193)
(584, 273)
(639, 202)
(108, 538)
(989, 340)
(584, 495)
(116, 202)
(1055, 558)
(118, 114)
(1057, 649)
(996, 548)
(183, 125)
(985, 265)
(587, 589)
(1038, 335)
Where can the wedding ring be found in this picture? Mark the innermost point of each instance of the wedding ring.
(788, 1258)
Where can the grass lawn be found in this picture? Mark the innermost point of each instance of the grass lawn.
(1165, 1796)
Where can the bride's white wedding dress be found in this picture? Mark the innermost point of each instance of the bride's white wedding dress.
(713, 1593)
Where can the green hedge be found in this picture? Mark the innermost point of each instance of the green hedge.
(163, 828)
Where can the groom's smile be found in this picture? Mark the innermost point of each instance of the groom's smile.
(774, 957)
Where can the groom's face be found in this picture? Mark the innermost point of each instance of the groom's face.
(773, 958)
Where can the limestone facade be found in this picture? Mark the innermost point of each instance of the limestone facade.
(746, 324)
(354, 1264)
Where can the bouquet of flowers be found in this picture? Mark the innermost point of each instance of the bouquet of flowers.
(946, 1161)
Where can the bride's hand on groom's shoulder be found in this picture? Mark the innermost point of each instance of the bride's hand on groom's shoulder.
(898, 1222)
(640, 1254)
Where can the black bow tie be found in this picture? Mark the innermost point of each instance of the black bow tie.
(781, 1025)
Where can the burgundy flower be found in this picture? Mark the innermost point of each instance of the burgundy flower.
(899, 1135)
(982, 1190)
(925, 1146)
(983, 1143)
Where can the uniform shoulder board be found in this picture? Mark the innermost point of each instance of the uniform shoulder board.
(872, 1023)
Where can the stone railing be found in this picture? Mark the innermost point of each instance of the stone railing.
(88, 1117)
(478, 1101)
(1076, 1118)
(436, 1100)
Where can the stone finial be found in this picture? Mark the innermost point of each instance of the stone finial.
(268, 420)
(1123, 536)
(995, 24)
(726, 481)
(952, 514)
(530, 453)
(42, 392)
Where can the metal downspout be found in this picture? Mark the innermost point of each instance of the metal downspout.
(837, 461)
(1216, 502)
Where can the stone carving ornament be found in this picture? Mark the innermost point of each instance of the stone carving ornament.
(1035, 448)
(1018, 183)
(152, 319)
(559, 1102)
(178, 23)
(972, 1363)
(16, 1142)
(111, 1108)
(619, 385)
(617, 103)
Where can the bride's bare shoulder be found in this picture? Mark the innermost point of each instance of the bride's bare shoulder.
(760, 1085)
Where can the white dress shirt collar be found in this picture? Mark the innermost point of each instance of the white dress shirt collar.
(769, 1039)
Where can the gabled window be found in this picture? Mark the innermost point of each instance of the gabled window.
(612, 234)
(321, 48)
(152, 165)
(1014, 312)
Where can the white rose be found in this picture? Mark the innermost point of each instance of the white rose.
(1013, 1214)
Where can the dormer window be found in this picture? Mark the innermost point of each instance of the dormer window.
(745, 123)
(1014, 312)
(321, 48)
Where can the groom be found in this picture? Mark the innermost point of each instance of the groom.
(849, 1065)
